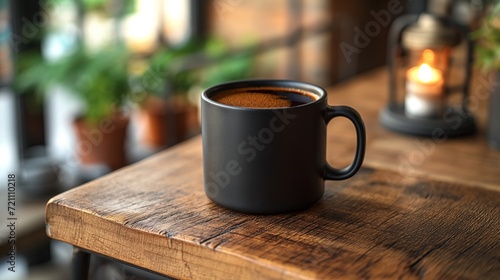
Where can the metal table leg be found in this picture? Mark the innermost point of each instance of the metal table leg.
(81, 264)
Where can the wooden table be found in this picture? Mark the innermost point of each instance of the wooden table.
(439, 221)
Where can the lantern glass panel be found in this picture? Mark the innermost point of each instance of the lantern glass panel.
(425, 82)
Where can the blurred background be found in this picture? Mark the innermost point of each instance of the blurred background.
(90, 86)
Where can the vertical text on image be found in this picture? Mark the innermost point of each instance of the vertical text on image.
(11, 221)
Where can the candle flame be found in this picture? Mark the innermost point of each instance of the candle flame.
(427, 74)
(428, 56)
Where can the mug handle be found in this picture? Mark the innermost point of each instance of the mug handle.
(332, 173)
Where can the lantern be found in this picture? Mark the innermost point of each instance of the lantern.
(429, 63)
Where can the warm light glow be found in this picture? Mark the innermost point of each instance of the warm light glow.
(140, 29)
(424, 88)
(176, 24)
(428, 56)
(428, 74)
(425, 79)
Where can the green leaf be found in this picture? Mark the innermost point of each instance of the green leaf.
(488, 36)
(99, 79)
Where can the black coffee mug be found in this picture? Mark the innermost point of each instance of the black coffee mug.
(271, 160)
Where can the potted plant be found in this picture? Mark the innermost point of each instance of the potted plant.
(165, 114)
(168, 114)
(100, 80)
(488, 58)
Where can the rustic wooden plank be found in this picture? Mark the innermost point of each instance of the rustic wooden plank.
(379, 224)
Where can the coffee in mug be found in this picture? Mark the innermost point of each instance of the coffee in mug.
(262, 97)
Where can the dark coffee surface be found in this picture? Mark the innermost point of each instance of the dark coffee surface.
(252, 99)
(264, 97)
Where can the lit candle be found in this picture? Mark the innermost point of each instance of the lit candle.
(424, 87)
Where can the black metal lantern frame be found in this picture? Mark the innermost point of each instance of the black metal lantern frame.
(427, 31)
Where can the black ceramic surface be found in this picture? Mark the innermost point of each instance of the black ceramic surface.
(260, 160)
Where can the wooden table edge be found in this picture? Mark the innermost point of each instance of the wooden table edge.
(224, 264)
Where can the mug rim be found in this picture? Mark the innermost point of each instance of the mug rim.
(293, 84)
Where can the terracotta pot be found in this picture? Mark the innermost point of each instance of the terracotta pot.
(102, 143)
(167, 122)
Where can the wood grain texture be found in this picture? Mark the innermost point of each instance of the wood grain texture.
(378, 224)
